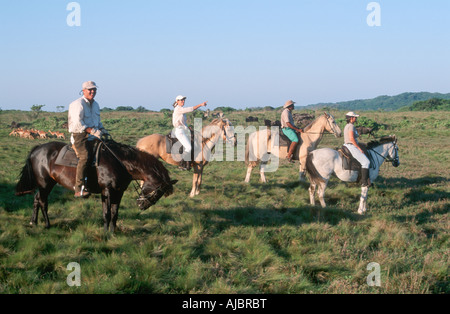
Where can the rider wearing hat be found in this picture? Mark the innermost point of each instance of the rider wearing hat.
(181, 129)
(289, 129)
(84, 124)
(351, 142)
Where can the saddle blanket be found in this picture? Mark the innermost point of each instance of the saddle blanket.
(68, 158)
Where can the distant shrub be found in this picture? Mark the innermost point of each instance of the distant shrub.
(225, 109)
(434, 104)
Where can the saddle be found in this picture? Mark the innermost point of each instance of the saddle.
(349, 162)
(172, 140)
(284, 143)
(68, 158)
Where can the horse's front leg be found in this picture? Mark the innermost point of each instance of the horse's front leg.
(363, 201)
(262, 172)
(249, 173)
(196, 180)
(302, 159)
(200, 181)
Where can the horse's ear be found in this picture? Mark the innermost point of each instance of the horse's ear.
(173, 182)
(326, 115)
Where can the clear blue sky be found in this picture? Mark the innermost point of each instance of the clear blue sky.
(238, 53)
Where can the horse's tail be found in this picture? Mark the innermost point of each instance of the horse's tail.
(314, 175)
(27, 182)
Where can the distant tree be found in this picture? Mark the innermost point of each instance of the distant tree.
(141, 109)
(60, 108)
(36, 109)
(225, 109)
(433, 104)
(124, 108)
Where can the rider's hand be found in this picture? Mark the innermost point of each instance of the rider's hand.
(106, 137)
(88, 130)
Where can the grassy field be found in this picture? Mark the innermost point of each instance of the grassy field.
(236, 237)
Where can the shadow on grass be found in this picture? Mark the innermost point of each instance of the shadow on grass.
(12, 203)
(269, 217)
(408, 183)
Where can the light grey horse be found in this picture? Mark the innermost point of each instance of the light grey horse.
(322, 163)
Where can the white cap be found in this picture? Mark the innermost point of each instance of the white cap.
(352, 114)
(89, 85)
(180, 97)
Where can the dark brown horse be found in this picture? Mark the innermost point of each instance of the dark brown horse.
(118, 165)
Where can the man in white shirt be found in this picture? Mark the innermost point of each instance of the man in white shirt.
(84, 124)
(181, 129)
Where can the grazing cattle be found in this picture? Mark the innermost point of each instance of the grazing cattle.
(363, 130)
(251, 119)
(303, 119)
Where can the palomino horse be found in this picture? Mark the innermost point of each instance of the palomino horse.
(204, 143)
(261, 142)
(322, 163)
(118, 165)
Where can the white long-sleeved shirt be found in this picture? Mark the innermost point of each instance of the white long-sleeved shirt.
(83, 115)
(179, 117)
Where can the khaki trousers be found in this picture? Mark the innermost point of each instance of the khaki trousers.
(80, 146)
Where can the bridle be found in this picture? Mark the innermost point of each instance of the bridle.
(388, 157)
(146, 200)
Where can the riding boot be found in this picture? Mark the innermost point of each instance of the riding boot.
(365, 178)
(290, 154)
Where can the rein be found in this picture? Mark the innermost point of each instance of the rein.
(136, 185)
(388, 158)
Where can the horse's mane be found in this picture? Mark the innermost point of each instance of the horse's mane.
(381, 141)
(206, 131)
(309, 126)
(139, 158)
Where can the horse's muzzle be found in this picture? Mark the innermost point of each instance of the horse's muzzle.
(148, 200)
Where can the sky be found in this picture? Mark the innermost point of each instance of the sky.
(236, 53)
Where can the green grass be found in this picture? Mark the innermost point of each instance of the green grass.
(237, 237)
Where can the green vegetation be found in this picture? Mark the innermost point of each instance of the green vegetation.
(236, 237)
(383, 103)
(434, 104)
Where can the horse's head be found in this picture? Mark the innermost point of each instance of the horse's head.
(393, 153)
(156, 181)
(219, 127)
(331, 125)
(387, 149)
(228, 132)
(151, 194)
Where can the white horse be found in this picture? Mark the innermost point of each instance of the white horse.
(261, 143)
(322, 163)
